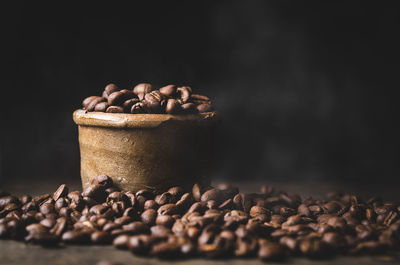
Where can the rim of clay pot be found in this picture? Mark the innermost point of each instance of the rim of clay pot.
(126, 120)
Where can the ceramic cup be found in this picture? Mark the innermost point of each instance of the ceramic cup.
(152, 151)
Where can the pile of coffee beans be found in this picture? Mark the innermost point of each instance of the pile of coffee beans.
(170, 99)
(208, 222)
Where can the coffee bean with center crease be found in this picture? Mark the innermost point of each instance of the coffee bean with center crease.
(138, 108)
(62, 191)
(184, 93)
(142, 89)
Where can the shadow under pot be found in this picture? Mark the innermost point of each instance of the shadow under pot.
(146, 151)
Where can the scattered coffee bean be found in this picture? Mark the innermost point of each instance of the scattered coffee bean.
(211, 222)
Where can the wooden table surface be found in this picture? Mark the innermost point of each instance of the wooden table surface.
(13, 253)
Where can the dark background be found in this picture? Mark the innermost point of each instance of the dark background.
(306, 89)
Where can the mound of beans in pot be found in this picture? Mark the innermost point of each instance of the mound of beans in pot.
(211, 222)
(170, 99)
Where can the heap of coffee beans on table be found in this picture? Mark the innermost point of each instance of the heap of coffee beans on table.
(207, 222)
(169, 99)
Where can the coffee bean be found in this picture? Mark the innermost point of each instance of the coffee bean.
(212, 194)
(168, 91)
(140, 244)
(184, 93)
(138, 108)
(75, 237)
(115, 109)
(312, 248)
(173, 106)
(149, 216)
(166, 250)
(62, 191)
(127, 105)
(101, 237)
(269, 251)
(168, 209)
(109, 89)
(165, 220)
(96, 192)
(4, 231)
(121, 242)
(25, 198)
(205, 107)
(135, 228)
(141, 89)
(47, 208)
(101, 106)
(94, 102)
(87, 101)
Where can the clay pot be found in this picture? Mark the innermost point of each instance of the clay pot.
(153, 151)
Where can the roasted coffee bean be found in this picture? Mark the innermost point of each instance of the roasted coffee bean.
(212, 194)
(153, 100)
(199, 97)
(135, 228)
(116, 98)
(168, 209)
(138, 108)
(166, 250)
(94, 102)
(100, 237)
(148, 194)
(60, 226)
(196, 192)
(109, 89)
(62, 191)
(184, 92)
(142, 89)
(205, 107)
(270, 251)
(25, 198)
(96, 192)
(127, 105)
(257, 210)
(121, 242)
(47, 208)
(149, 216)
(101, 106)
(140, 244)
(75, 237)
(87, 101)
(115, 109)
(150, 204)
(173, 106)
(165, 220)
(48, 222)
(168, 91)
(188, 108)
(312, 248)
(4, 231)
